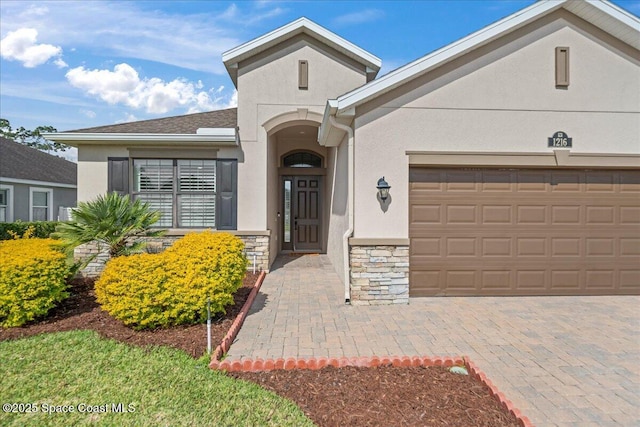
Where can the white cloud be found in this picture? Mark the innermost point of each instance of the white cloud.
(20, 45)
(133, 30)
(127, 119)
(124, 86)
(367, 15)
(89, 113)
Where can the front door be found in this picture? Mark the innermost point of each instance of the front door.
(302, 219)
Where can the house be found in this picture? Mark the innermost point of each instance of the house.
(34, 185)
(512, 157)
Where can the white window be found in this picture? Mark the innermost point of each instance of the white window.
(6, 203)
(183, 191)
(40, 204)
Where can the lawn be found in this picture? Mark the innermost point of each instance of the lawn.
(156, 386)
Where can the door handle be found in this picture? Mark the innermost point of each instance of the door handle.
(295, 223)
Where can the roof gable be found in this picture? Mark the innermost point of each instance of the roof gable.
(19, 161)
(233, 57)
(599, 13)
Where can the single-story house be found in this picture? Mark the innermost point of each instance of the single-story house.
(34, 186)
(512, 157)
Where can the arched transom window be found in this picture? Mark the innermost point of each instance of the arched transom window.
(302, 159)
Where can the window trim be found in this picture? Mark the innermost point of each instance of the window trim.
(9, 213)
(49, 201)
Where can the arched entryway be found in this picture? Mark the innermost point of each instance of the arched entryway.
(297, 168)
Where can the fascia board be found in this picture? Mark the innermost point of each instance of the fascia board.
(445, 54)
(227, 137)
(4, 179)
(302, 25)
(616, 12)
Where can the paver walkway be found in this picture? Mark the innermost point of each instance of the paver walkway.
(567, 361)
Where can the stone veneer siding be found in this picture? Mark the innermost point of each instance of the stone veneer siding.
(254, 244)
(379, 275)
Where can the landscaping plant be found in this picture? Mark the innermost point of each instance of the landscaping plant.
(172, 287)
(112, 220)
(33, 276)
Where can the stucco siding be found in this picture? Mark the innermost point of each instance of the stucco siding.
(268, 88)
(501, 98)
(337, 193)
(93, 174)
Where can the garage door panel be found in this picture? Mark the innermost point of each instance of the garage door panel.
(566, 215)
(630, 215)
(493, 280)
(461, 247)
(601, 280)
(496, 214)
(526, 232)
(461, 214)
(496, 247)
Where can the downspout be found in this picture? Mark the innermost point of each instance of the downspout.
(349, 232)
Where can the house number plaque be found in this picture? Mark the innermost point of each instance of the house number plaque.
(560, 140)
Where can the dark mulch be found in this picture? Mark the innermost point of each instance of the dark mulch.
(81, 311)
(383, 396)
(386, 396)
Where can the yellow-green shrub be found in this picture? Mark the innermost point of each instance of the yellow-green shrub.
(172, 287)
(32, 279)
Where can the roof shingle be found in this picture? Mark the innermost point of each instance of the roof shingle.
(19, 161)
(186, 124)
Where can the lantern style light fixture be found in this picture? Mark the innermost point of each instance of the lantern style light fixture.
(383, 189)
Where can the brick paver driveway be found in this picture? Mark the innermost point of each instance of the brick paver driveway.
(561, 360)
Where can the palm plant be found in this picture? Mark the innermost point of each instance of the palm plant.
(111, 220)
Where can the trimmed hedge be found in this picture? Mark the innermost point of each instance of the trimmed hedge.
(41, 229)
(32, 279)
(172, 287)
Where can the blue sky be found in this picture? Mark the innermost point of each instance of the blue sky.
(76, 64)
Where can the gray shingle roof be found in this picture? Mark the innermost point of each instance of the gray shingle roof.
(19, 161)
(186, 124)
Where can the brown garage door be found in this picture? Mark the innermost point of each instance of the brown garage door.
(524, 232)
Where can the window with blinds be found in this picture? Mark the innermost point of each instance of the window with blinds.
(183, 191)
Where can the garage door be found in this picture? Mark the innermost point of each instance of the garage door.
(524, 232)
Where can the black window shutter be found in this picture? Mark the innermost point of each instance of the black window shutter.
(118, 175)
(227, 195)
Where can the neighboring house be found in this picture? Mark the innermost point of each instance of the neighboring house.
(513, 157)
(34, 185)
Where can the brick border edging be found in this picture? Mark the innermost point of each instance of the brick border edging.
(228, 339)
(258, 365)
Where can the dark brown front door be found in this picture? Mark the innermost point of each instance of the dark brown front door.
(304, 230)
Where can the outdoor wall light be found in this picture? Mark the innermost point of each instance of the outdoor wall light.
(383, 189)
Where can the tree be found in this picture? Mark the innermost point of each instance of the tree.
(111, 220)
(32, 138)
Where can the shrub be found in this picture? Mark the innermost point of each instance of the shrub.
(32, 279)
(172, 287)
(41, 229)
(112, 220)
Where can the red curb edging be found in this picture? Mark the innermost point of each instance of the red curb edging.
(248, 365)
(228, 339)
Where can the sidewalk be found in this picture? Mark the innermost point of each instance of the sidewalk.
(561, 360)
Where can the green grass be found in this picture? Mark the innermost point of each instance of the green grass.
(164, 386)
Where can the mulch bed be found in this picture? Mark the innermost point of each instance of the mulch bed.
(81, 311)
(386, 396)
(348, 396)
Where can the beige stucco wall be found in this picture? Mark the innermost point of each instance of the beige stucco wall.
(337, 193)
(500, 99)
(93, 169)
(268, 88)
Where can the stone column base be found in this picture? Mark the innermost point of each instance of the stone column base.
(379, 274)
